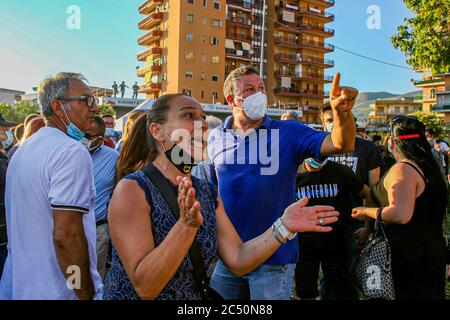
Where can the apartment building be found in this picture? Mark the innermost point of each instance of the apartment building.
(192, 45)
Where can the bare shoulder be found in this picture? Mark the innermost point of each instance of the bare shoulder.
(128, 197)
(404, 173)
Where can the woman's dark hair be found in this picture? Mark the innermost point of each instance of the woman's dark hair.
(140, 148)
(419, 151)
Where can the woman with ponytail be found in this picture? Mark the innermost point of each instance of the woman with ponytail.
(412, 199)
(150, 257)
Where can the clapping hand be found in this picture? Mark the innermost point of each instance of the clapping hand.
(342, 98)
(189, 207)
(298, 218)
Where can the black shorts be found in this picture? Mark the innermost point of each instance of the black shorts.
(336, 282)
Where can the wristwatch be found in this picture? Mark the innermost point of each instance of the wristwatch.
(284, 232)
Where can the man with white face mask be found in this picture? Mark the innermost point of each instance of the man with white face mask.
(256, 161)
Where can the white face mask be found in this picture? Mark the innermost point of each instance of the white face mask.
(255, 106)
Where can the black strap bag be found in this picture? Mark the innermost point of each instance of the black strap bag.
(373, 270)
(199, 273)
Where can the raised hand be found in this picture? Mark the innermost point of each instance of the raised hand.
(189, 207)
(342, 98)
(298, 218)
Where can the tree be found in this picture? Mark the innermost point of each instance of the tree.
(18, 113)
(431, 120)
(425, 38)
(106, 109)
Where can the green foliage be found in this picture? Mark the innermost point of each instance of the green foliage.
(106, 109)
(425, 38)
(19, 112)
(431, 120)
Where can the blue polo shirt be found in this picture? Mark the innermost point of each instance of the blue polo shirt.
(104, 162)
(256, 174)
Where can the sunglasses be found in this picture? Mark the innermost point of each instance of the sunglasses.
(90, 100)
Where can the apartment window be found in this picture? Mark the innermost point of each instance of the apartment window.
(190, 18)
(163, 76)
(217, 23)
(214, 41)
(191, 1)
(205, 3)
(216, 5)
(189, 36)
(189, 55)
(204, 39)
(215, 59)
(203, 57)
(397, 109)
(215, 77)
(202, 94)
(189, 74)
(163, 60)
(215, 96)
(187, 92)
(204, 20)
(202, 76)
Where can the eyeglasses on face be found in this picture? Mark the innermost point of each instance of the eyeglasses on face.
(90, 100)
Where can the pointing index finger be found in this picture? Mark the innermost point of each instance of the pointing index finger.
(335, 91)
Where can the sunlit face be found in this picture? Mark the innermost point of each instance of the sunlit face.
(186, 126)
(248, 85)
(79, 113)
(327, 117)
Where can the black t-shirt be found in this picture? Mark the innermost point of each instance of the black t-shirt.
(364, 159)
(3, 167)
(334, 185)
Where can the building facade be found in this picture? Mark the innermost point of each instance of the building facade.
(9, 96)
(430, 85)
(192, 45)
(443, 99)
(382, 111)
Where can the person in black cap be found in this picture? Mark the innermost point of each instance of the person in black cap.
(6, 139)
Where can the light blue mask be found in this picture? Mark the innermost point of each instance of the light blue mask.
(71, 129)
(329, 127)
(110, 132)
(316, 164)
(9, 140)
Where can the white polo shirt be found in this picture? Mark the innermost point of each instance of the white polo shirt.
(49, 171)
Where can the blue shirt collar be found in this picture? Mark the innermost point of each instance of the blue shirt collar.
(265, 124)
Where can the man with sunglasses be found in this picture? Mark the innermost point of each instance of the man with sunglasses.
(104, 161)
(50, 196)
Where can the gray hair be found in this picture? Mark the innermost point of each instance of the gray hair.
(213, 122)
(54, 88)
(290, 114)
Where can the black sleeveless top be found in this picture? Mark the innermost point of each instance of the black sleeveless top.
(417, 247)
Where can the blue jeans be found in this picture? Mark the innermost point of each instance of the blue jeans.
(268, 282)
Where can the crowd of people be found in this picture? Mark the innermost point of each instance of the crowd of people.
(187, 207)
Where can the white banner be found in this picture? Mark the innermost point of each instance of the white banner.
(288, 16)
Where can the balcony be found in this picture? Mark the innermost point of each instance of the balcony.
(141, 72)
(298, 59)
(243, 55)
(148, 52)
(303, 28)
(242, 22)
(150, 37)
(150, 88)
(238, 36)
(442, 101)
(150, 21)
(323, 16)
(430, 81)
(289, 42)
(324, 3)
(297, 92)
(240, 4)
(297, 76)
(149, 6)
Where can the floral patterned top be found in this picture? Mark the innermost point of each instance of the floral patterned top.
(181, 286)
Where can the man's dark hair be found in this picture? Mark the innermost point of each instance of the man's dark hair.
(430, 131)
(100, 123)
(325, 107)
(376, 138)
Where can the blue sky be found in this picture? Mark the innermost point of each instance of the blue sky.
(35, 42)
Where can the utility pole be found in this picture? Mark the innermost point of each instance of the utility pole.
(263, 38)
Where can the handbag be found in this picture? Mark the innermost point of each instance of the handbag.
(373, 270)
(199, 272)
